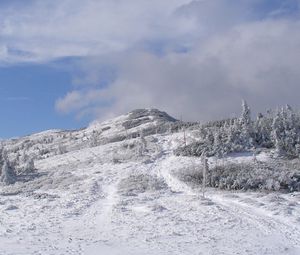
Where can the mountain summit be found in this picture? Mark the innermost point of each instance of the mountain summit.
(118, 187)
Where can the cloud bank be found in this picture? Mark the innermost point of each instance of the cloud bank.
(197, 59)
(51, 29)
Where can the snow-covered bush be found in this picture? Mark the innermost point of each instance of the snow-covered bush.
(251, 176)
(116, 158)
(244, 176)
(193, 176)
(135, 184)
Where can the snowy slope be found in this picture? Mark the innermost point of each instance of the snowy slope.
(111, 189)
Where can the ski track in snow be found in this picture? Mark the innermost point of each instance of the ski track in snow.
(91, 216)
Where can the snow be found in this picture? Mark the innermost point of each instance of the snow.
(87, 202)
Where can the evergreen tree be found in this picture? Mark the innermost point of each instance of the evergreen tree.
(94, 139)
(217, 144)
(245, 125)
(263, 130)
(245, 119)
(7, 174)
(277, 133)
(29, 166)
(276, 129)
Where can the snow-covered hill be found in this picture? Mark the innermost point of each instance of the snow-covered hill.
(116, 188)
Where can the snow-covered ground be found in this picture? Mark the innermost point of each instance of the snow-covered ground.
(107, 200)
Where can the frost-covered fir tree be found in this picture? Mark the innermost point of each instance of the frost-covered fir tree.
(245, 126)
(61, 149)
(7, 174)
(263, 130)
(1, 158)
(275, 129)
(291, 131)
(245, 119)
(29, 166)
(287, 131)
(94, 139)
(217, 144)
(278, 133)
(142, 144)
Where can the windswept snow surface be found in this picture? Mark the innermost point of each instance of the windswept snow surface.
(106, 200)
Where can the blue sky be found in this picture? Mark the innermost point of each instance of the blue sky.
(65, 63)
(28, 94)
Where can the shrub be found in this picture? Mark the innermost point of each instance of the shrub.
(135, 184)
(245, 176)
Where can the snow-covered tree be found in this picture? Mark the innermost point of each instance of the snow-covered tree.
(285, 132)
(24, 157)
(141, 145)
(7, 174)
(245, 124)
(217, 144)
(263, 130)
(278, 133)
(29, 166)
(94, 139)
(291, 126)
(61, 149)
(276, 129)
(245, 119)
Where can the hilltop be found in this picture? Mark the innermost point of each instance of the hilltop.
(133, 185)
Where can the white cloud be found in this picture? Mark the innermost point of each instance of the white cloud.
(258, 61)
(195, 58)
(52, 29)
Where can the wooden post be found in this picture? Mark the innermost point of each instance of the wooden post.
(205, 170)
(184, 135)
(254, 156)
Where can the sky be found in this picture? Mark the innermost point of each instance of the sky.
(65, 63)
